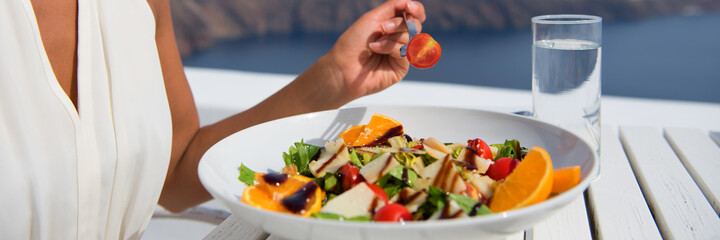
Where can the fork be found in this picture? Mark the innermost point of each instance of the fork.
(412, 31)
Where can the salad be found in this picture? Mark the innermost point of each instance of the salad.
(377, 172)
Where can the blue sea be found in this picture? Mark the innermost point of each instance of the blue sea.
(668, 57)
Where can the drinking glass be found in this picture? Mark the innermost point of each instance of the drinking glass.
(566, 73)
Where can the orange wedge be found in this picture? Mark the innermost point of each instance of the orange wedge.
(259, 198)
(565, 178)
(529, 183)
(269, 196)
(351, 134)
(379, 128)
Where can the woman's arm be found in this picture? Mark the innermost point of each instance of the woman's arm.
(362, 62)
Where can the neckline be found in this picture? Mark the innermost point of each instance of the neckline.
(52, 80)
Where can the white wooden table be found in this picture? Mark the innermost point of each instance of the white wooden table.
(660, 160)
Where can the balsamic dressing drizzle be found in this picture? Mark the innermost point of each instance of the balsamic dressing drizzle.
(474, 210)
(274, 178)
(299, 200)
(396, 131)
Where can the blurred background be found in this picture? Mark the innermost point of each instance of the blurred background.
(662, 49)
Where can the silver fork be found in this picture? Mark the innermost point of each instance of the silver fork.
(412, 30)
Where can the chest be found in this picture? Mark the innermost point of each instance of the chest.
(57, 22)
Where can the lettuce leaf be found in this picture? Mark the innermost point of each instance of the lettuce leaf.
(355, 159)
(436, 200)
(247, 176)
(511, 148)
(332, 216)
(300, 154)
(410, 176)
(393, 182)
(470, 206)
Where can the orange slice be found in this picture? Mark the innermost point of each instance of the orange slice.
(529, 183)
(351, 134)
(377, 129)
(280, 191)
(565, 178)
(259, 198)
(269, 196)
(314, 204)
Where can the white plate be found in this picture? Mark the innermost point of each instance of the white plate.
(261, 147)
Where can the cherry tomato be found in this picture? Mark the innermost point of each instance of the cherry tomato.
(350, 176)
(482, 149)
(501, 168)
(392, 213)
(423, 51)
(379, 192)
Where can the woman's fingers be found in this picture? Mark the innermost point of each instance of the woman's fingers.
(389, 44)
(417, 10)
(393, 25)
(394, 29)
(397, 24)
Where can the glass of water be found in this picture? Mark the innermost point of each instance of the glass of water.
(566, 73)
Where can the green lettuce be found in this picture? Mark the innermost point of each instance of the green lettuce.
(247, 176)
(300, 154)
(332, 216)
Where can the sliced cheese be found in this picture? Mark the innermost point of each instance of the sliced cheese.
(379, 167)
(410, 198)
(332, 157)
(474, 162)
(358, 201)
(450, 211)
(484, 185)
(443, 175)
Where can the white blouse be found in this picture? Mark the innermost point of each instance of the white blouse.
(92, 174)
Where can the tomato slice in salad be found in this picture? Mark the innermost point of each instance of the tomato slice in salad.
(350, 176)
(423, 51)
(482, 149)
(392, 213)
(502, 168)
(379, 192)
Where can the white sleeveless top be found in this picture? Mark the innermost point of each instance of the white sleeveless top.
(96, 174)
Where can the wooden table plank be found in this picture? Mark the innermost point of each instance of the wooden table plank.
(679, 207)
(570, 222)
(233, 228)
(618, 208)
(517, 236)
(701, 157)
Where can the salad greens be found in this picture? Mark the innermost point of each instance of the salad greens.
(511, 148)
(247, 176)
(469, 205)
(423, 176)
(300, 154)
(332, 216)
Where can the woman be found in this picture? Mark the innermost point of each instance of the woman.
(96, 113)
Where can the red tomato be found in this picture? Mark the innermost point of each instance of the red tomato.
(501, 168)
(379, 192)
(482, 149)
(423, 51)
(392, 213)
(349, 176)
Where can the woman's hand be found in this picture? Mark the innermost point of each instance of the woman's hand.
(366, 58)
